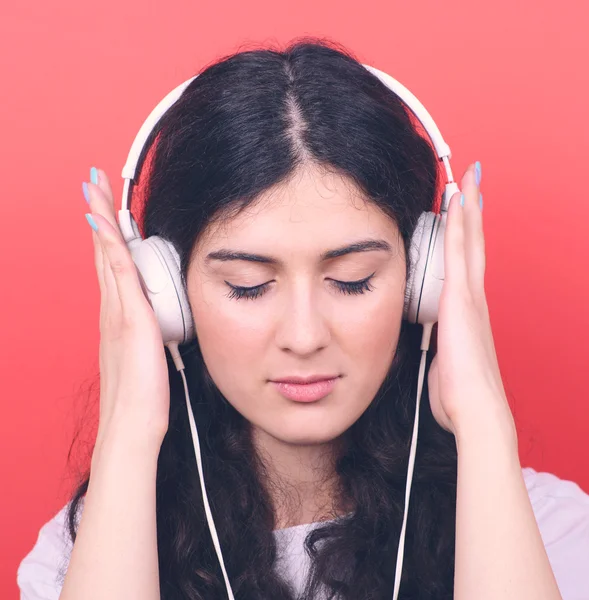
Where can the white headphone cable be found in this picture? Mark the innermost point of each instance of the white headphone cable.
(173, 347)
(425, 341)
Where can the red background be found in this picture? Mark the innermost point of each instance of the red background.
(506, 81)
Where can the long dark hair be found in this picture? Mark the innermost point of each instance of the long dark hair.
(245, 124)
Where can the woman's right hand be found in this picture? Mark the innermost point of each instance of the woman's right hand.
(134, 385)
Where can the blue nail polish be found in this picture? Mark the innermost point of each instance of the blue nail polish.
(481, 200)
(85, 190)
(478, 173)
(91, 221)
(94, 175)
(461, 199)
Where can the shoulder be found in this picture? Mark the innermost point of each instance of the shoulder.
(561, 509)
(41, 572)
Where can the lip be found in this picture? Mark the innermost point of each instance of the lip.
(306, 389)
(303, 380)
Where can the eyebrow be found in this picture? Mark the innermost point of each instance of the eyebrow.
(361, 246)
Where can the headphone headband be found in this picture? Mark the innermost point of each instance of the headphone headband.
(128, 226)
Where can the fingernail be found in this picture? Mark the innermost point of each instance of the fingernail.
(94, 175)
(91, 221)
(461, 199)
(85, 190)
(481, 200)
(478, 173)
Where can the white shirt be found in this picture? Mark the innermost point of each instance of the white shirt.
(561, 508)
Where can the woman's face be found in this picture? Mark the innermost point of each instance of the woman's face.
(298, 321)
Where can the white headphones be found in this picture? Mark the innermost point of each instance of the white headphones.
(158, 264)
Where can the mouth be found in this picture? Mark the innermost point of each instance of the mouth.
(306, 389)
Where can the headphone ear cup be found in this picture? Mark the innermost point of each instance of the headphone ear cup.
(158, 264)
(426, 278)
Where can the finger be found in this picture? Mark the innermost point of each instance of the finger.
(100, 195)
(105, 186)
(109, 302)
(122, 269)
(98, 262)
(101, 201)
(112, 303)
(101, 204)
(454, 259)
(474, 239)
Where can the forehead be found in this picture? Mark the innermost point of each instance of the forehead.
(314, 210)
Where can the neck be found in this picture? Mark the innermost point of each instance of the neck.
(301, 479)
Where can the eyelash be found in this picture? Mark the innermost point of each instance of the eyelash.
(345, 287)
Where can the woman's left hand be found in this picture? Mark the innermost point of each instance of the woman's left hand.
(464, 379)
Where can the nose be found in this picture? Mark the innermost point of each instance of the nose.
(304, 327)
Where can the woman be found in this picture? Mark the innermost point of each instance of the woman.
(283, 156)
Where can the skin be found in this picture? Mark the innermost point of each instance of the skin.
(303, 324)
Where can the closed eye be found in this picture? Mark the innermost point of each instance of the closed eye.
(345, 287)
(239, 292)
(354, 287)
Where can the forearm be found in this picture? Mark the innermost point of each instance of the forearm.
(500, 554)
(115, 553)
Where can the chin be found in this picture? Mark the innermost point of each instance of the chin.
(307, 440)
(308, 434)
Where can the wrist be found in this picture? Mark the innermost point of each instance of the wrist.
(122, 433)
(489, 421)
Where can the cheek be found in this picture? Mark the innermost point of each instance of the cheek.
(372, 347)
(230, 338)
(377, 332)
(370, 331)
(369, 339)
